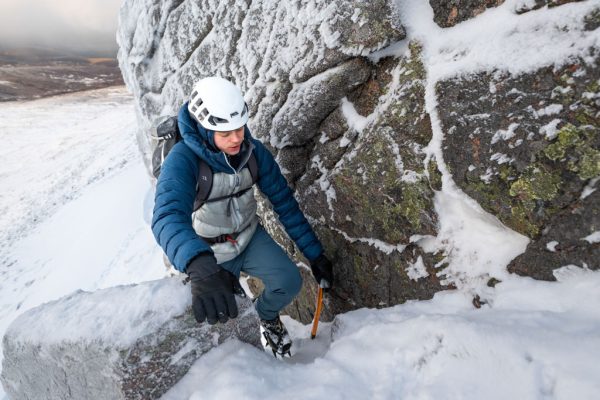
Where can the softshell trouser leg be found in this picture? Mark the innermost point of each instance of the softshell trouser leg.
(263, 258)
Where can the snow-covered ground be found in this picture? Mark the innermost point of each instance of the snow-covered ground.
(533, 340)
(74, 210)
(75, 200)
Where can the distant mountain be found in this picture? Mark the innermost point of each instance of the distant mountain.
(29, 73)
(43, 56)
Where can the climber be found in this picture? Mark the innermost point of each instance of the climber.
(223, 236)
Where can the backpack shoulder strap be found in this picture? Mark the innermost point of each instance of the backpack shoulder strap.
(203, 183)
(253, 167)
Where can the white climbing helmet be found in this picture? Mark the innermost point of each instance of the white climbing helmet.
(218, 104)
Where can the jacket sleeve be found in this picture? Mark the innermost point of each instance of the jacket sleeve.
(173, 207)
(273, 184)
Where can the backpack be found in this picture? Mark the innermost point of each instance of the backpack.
(166, 134)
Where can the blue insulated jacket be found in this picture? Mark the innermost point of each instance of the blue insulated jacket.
(176, 191)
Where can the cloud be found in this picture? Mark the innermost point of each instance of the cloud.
(63, 24)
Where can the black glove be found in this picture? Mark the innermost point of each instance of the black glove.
(212, 290)
(323, 272)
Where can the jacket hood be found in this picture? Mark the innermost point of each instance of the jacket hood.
(202, 141)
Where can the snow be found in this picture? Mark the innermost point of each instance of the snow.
(589, 188)
(324, 184)
(550, 129)
(380, 245)
(593, 237)
(500, 158)
(499, 39)
(549, 110)
(505, 134)
(477, 243)
(551, 246)
(539, 336)
(416, 270)
(75, 200)
(92, 317)
(353, 118)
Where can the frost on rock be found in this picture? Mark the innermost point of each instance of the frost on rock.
(540, 150)
(383, 190)
(448, 13)
(126, 342)
(362, 119)
(265, 47)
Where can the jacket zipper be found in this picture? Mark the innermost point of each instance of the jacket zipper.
(237, 219)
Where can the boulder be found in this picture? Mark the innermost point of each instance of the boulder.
(527, 149)
(126, 342)
(375, 163)
(448, 13)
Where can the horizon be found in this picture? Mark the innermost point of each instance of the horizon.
(68, 27)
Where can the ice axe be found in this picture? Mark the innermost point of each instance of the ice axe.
(313, 333)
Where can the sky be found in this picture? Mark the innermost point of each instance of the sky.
(74, 25)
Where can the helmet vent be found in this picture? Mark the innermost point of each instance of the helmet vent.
(216, 120)
(215, 104)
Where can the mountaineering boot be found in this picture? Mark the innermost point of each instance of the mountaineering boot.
(275, 337)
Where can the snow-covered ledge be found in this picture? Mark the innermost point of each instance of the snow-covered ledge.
(126, 342)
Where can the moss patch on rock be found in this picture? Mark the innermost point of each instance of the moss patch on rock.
(535, 141)
(576, 143)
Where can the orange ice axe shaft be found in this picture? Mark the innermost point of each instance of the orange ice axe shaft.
(313, 333)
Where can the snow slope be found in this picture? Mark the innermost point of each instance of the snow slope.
(74, 194)
(534, 340)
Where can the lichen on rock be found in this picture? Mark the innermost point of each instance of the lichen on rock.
(534, 143)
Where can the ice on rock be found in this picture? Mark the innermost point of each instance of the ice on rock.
(133, 341)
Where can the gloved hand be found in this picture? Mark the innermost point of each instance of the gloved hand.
(323, 272)
(212, 290)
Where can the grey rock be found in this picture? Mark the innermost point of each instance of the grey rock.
(266, 48)
(129, 342)
(309, 103)
(525, 7)
(525, 148)
(368, 197)
(568, 230)
(449, 13)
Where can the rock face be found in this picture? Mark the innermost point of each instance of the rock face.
(275, 51)
(533, 151)
(448, 13)
(376, 167)
(130, 342)
(352, 132)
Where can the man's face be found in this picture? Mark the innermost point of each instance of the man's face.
(230, 142)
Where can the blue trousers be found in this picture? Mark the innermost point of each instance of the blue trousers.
(263, 258)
